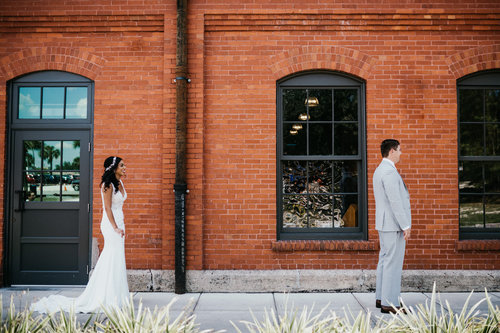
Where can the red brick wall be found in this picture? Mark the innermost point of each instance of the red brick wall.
(127, 50)
(410, 55)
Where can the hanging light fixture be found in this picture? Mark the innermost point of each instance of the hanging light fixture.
(304, 116)
(297, 127)
(311, 102)
(293, 132)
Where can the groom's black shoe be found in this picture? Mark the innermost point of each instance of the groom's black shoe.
(378, 303)
(391, 309)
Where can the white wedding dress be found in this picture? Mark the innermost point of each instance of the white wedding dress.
(108, 285)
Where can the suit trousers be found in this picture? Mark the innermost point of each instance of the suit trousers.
(390, 267)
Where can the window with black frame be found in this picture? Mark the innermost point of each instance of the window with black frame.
(321, 152)
(479, 155)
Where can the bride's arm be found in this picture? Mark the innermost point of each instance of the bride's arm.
(108, 192)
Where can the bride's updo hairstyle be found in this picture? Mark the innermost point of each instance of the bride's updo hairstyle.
(109, 177)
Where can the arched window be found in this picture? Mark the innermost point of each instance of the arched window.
(321, 157)
(479, 155)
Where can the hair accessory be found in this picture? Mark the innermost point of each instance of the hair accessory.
(112, 164)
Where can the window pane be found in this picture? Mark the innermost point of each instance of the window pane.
(346, 176)
(294, 211)
(51, 189)
(320, 211)
(53, 103)
(293, 104)
(32, 155)
(320, 177)
(346, 104)
(294, 176)
(71, 155)
(323, 111)
(492, 140)
(471, 139)
(471, 105)
(493, 105)
(70, 192)
(31, 186)
(29, 102)
(294, 141)
(51, 155)
(470, 177)
(471, 211)
(492, 211)
(320, 139)
(347, 206)
(76, 102)
(75, 181)
(492, 177)
(346, 139)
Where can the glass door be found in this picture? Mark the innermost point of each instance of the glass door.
(50, 207)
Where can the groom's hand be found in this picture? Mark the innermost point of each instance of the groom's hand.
(406, 233)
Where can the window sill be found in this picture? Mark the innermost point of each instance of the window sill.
(478, 245)
(323, 245)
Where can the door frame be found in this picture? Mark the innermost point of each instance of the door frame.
(44, 78)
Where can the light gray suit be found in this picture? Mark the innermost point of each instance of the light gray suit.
(393, 215)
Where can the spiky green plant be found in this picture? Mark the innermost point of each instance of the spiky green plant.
(432, 317)
(143, 320)
(293, 321)
(426, 319)
(20, 321)
(62, 322)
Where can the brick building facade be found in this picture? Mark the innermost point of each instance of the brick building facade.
(404, 63)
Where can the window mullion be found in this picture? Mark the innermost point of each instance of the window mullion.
(307, 123)
(484, 122)
(307, 196)
(41, 103)
(333, 122)
(64, 102)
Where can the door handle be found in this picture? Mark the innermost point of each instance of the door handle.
(20, 206)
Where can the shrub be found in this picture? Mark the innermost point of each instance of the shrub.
(425, 318)
(430, 317)
(126, 320)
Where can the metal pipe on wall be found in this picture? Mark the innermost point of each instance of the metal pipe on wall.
(180, 186)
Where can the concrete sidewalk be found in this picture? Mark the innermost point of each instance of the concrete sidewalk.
(216, 310)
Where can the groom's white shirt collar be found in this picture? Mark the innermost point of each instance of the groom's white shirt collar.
(388, 160)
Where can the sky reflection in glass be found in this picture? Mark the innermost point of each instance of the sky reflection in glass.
(29, 102)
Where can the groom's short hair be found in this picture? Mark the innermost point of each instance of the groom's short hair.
(387, 145)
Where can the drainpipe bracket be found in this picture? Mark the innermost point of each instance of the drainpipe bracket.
(182, 78)
(181, 188)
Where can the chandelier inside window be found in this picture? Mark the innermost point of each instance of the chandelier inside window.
(311, 102)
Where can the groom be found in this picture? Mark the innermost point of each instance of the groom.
(393, 222)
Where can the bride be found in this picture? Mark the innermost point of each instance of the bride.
(107, 287)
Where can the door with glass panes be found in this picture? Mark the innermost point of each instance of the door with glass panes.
(50, 231)
(49, 185)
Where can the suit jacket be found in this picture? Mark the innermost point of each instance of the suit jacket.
(392, 200)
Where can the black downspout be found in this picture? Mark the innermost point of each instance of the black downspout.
(180, 186)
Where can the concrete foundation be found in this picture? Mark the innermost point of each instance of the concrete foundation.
(312, 280)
